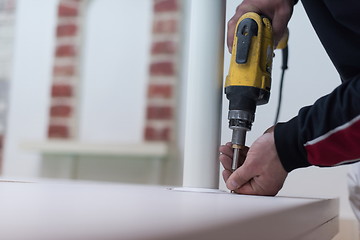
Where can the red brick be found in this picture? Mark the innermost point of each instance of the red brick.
(155, 112)
(162, 69)
(66, 30)
(8, 6)
(160, 91)
(65, 10)
(165, 26)
(1, 142)
(166, 47)
(64, 71)
(166, 6)
(61, 91)
(61, 111)
(58, 131)
(65, 51)
(153, 134)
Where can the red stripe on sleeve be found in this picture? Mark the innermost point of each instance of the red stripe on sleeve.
(341, 146)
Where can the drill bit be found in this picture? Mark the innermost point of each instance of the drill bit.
(238, 143)
(236, 158)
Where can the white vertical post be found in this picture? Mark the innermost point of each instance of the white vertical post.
(204, 63)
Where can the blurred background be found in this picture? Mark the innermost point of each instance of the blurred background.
(95, 90)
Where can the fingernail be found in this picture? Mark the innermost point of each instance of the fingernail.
(234, 184)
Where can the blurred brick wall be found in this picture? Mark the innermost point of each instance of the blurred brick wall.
(163, 71)
(66, 78)
(7, 27)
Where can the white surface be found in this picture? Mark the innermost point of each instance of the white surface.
(30, 84)
(204, 90)
(115, 72)
(320, 182)
(79, 211)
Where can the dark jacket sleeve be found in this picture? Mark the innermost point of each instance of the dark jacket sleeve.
(328, 132)
(324, 134)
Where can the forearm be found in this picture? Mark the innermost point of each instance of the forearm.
(324, 134)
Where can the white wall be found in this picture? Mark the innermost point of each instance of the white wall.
(116, 61)
(30, 84)
(310, 76)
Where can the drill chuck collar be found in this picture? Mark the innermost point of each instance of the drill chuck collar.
(240, 119)
(242, 105)
(240, 122)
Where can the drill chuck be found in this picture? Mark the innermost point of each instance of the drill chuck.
(240, 122)
(240, 119)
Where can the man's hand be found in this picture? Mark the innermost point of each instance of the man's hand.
(279, 11)
(261, 173)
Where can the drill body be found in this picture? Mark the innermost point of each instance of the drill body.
(249, 79)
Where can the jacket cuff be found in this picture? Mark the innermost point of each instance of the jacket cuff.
(289, 145)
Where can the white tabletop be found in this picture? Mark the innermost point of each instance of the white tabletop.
(59, 210)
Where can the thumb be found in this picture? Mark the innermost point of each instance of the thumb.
(240, 177)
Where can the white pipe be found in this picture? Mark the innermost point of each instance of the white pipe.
(204, 63)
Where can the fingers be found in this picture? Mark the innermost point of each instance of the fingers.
(227, 149)
(240, 177)
(262, 173)
(226, 161)
(243, 184)
(279, 23)
(247, 188)
(226, 156)
(226, 174)
(243, 151)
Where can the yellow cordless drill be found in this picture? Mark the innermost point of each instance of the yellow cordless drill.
(249, 80)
